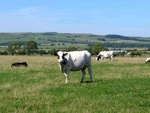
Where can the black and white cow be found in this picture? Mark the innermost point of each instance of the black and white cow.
(147, 60)
(105, 54)
(17, 64)
(74, 61)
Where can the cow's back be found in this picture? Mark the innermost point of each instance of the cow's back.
(106, 53)
(79, 59)
(80, 55)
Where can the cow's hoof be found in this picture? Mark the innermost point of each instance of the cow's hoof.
(81, 82)
(66, 81)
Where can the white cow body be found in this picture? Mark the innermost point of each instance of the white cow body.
(147, 60)
(74, 61)
(105, 54)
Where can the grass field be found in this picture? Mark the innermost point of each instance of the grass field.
(119, 86)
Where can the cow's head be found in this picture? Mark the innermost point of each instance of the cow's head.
(98, 57)
(61, 57)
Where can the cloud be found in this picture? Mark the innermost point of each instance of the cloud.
(32, 17)
(23, 12)
(28, 11)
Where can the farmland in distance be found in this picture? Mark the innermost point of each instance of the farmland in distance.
(50, 40)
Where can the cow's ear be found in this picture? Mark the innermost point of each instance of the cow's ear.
(55, 54)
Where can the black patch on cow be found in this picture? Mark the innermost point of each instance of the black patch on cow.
(64, 59)
(55, 54)
(98, 57)
(63, 56)
(17, 64)
(58, 56)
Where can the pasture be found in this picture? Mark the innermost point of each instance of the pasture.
(122, 85)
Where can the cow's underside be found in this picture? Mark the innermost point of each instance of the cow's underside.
(78, 69)
(107, 57)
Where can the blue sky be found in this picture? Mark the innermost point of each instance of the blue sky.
(102, 17)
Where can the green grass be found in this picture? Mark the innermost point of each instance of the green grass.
(119, 86)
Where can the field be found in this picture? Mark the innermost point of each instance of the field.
(118, 86)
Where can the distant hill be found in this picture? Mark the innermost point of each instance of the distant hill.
(127, 38)
(79, 40)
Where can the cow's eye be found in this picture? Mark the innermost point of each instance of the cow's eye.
(58, 57)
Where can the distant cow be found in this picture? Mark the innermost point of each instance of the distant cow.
(74, 61)
(17, 64)
(147, 60)
(105, 54)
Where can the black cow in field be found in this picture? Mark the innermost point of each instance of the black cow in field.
(17, 64)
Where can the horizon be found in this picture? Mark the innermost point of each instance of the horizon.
(72, 33)
(126, 18)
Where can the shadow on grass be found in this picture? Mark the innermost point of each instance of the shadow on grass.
(92, 81)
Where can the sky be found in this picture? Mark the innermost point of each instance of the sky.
(100, 17)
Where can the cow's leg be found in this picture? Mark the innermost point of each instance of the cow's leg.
(83, 73)
(102, 58)
(67, 76)
(90, 72)
(112, 58)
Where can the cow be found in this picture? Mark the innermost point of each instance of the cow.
(105, 54)
(17, 64)
(147, 60)
(74, 61)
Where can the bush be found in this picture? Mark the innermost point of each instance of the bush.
(135, 54)
(3, 53)
(51, 52)
(21, 52)
(41, 52)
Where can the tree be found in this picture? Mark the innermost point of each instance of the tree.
(122, 54)
(21, 52)
(41, 52)
(12, 47)
(52, 51)
(90, 50)
(132, 54)
(72, 48)
(96, 48)
(30, 46)
(135, 54)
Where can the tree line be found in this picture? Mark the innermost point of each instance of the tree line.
(31, 48)
(122, 45)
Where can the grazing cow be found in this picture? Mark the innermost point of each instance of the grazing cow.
(105, 54)
(74, 61)
(17, 64)
(147, 60)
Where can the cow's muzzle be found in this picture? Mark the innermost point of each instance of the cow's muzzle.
(63, 62)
